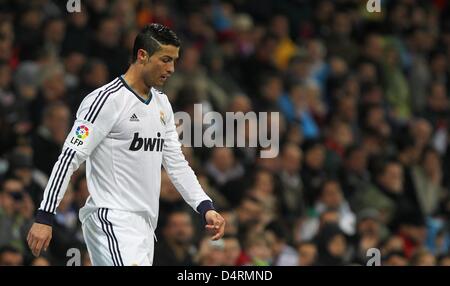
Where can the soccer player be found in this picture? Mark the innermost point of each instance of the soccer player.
(125, 130)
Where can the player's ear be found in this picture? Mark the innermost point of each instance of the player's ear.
(142, 56)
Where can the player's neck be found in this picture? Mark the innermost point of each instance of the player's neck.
(133, 79)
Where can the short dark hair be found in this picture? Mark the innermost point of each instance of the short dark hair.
(352, 149)
(382, 164)
(8, 248)
(278, 229)
(10, 177)
(326, 181)
(151, 37)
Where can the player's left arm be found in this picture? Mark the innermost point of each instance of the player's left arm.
(85, 135)
(185, 181)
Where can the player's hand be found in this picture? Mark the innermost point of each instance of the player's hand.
(39, 238)
(215, 224)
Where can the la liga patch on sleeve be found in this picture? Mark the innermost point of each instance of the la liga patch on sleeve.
(81, 133)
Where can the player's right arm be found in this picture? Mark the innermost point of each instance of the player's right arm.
(95, 118)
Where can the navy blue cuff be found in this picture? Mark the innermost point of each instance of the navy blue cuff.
(44, 217)
(203, 208)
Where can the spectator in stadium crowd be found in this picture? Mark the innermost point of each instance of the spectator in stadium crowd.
(50, 136)
(177, 247)
(232, 250)
(313, 171)
(40, 261)
(354, 175)
(10, 256)
(307, 253)
(256, 251)
(16, 214)
(210, 253)
(332, 246)
(21, 167)
(223, 167)
(283, 254)
(387, 194)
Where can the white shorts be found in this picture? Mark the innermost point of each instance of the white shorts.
(118, 238)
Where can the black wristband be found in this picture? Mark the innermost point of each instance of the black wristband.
(203, 208)
(44, 217)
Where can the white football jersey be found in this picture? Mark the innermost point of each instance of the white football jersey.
(124, 140)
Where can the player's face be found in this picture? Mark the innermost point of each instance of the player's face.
(160, 66)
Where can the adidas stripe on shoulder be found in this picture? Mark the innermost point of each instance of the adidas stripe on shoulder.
(101, 98)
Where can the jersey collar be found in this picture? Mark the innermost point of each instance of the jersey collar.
(135, 93)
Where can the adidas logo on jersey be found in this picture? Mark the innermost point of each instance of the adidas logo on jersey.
(149, 144)
(134, 117)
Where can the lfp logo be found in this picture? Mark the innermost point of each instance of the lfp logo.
(82, 132)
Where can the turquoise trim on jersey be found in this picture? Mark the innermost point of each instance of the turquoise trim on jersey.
(135, 93)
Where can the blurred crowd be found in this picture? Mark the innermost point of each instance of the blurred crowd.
(364, 125)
